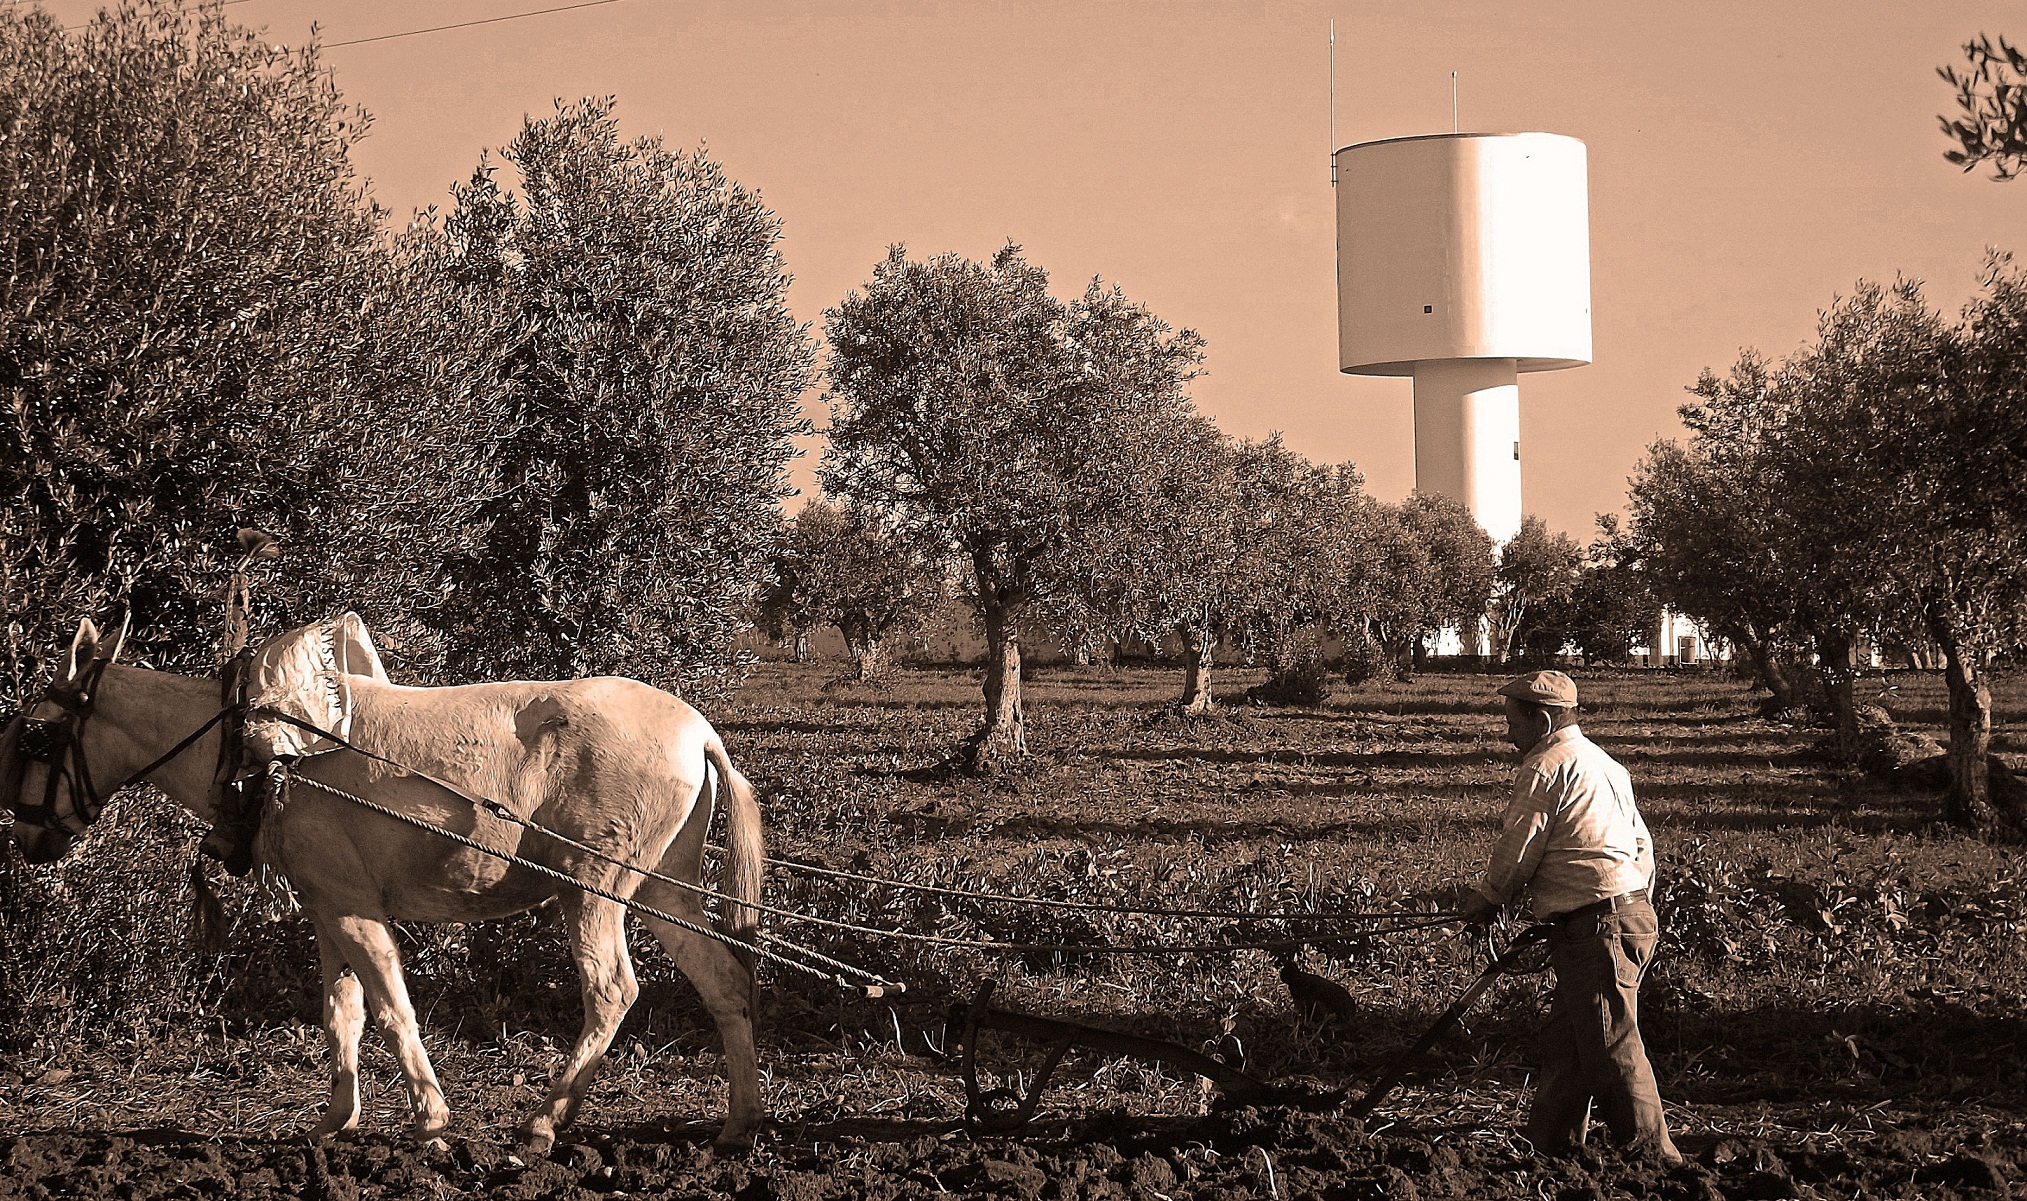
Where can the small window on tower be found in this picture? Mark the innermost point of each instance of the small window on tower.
(1516, 452)
(1428, 308)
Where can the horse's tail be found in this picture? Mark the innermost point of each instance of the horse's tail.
(745, 849)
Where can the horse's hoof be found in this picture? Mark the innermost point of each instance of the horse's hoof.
(537, 1140)
(733, 1144)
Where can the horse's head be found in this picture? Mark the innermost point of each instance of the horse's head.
(44, 780)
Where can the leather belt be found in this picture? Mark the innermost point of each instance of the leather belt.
(1608, 905)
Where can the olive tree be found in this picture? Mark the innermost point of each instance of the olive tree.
(176, 190)
(1902, 455)
(1442, 575)
(1191, 590)
(1537, 577)
(384, 391)
(1872, 345)
(839, 565)
(1298, 533)
(1992, 103)
(1164, 566)
(1707, 525)
(1614, 606)
(991, 418)
(639, 408)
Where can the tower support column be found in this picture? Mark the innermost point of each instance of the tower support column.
(1467, 438)
(1467, 447)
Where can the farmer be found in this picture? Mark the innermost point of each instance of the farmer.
(1575, 844)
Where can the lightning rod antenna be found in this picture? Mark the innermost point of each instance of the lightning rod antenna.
(1333, 102)
(1453, 103)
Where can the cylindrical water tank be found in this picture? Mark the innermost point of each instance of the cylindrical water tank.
(1463, 246)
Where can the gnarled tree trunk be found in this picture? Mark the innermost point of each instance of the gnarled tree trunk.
(1200, 647)
(1004, 740)
(1837, 662)
(1969, 801)
(1772, 676)
(872, 660)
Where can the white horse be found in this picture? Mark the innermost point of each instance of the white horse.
(610, 763)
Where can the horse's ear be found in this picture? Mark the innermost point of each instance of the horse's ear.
(120, 639)
(83, 648)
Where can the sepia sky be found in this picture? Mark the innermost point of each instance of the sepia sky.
(1748, 161)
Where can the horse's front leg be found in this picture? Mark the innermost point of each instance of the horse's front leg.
(344, 1020)
(598, 944)
(368, 946)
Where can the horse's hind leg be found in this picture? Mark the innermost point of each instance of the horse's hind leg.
(725, 985)
(344, 1020)
(598, 943)
(369, 947)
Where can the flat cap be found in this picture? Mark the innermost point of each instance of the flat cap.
(1543, 688)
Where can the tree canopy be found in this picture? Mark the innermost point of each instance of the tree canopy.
(546, 435)
(1011, 427)
(177, 190)
(1534, 587)
(840, 566)
(643, 399)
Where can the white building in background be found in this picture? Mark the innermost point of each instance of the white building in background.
(1679, 641)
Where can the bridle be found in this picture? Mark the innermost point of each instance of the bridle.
(58, 744)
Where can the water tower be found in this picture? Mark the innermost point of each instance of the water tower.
(1464, 260)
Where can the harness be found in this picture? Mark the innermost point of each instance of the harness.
(240, 784)
(58, 744)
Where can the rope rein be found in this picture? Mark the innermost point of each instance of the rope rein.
(838, 969)
(503, 813)
(500, 811)
(1104, 948)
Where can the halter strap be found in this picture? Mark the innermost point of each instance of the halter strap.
(87, 802)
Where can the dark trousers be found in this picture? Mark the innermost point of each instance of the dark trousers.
(1591, 1050)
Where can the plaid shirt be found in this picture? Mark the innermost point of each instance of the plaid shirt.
(1572, 834)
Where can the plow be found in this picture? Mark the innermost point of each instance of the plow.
(1005, 1110)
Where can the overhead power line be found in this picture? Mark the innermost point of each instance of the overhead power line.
(388, 37)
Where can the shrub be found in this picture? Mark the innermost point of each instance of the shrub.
(1364, 660)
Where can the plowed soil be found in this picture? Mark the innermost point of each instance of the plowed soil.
(1243, 1154)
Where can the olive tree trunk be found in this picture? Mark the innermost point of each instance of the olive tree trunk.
(1970, 801)
(1767, 667)
(1970, 796)
(1199, 650)
(872, 660)
(1004, 740)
